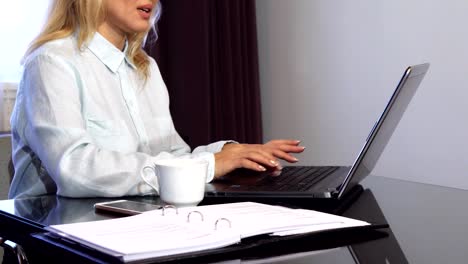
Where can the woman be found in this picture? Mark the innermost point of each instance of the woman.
(92, 109)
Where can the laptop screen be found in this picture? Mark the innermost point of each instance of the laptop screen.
(385, 126)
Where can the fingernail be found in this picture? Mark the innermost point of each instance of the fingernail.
(295, 159)
(261, 168)
(274, 162)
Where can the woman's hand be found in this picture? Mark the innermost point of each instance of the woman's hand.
(257, 157)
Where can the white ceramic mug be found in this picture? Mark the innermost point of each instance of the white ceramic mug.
(181, 181)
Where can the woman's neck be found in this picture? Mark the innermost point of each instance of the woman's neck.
(114, 36)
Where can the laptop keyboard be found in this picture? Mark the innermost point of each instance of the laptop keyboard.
(294, 178)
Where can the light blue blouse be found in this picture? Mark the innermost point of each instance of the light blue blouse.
(86, 125)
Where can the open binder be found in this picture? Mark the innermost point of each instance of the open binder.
(175, 232)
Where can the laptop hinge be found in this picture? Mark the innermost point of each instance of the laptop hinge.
(333, 192)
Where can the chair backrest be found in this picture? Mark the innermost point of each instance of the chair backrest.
(5, 166)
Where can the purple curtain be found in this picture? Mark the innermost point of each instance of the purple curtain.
(208, 56)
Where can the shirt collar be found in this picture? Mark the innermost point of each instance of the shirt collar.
(107, 53)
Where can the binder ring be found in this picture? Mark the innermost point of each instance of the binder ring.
(169, 206)
(221, 220)
(197, 212)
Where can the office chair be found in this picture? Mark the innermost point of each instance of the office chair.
(6, 175)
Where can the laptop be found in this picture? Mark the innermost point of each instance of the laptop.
(325, 182)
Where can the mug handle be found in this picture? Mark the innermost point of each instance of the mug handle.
(147, 181)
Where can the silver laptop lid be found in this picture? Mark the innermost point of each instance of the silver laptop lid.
(385, 126)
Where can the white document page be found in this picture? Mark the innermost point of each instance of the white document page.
(160, 233)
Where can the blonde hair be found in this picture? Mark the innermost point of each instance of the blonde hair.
(66, 17)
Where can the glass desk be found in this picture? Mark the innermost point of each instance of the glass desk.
(427, 225)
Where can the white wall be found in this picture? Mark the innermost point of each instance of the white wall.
(20, 22)
(328, 67)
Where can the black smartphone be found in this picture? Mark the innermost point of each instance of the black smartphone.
(126, 207)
